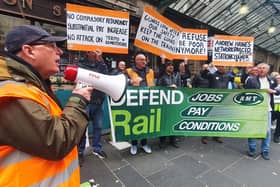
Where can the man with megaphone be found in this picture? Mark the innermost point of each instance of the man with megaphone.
(38, 138)
(94, 62)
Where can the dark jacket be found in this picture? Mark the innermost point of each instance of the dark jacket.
(254, 83)
(185, 76)
(200, 82)
(168, 80)
(217, 79)
(118, 72)
(97, 97)
(28, 126)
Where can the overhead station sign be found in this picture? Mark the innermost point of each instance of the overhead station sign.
(233, 51)
(90, 28)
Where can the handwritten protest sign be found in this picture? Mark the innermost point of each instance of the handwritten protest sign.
(157, 34)
(192, 44)
(233, 51)
(90, 28)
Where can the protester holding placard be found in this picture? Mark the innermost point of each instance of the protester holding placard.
(185, 73)
(262, 81)
(218, 79)
(199, 81)
(140, 75)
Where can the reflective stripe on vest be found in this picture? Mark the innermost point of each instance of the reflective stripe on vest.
(19, 169)
(149, 77)
(277, 107)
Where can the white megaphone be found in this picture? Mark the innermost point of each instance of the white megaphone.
(112, 85)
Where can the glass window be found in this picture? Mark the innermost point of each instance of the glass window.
(6, 24)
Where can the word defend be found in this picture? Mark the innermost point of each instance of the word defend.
(157, 111)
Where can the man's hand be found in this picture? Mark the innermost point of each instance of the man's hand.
(85, 92)
(173, 86)
(271, 91)
(99, 57)
(137, 80)
(186, 60)
(162, 57)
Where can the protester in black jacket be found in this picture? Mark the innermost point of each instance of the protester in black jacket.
(185, 73)
(219, 79)
(169, 79)
(199, 81)
(262, 81)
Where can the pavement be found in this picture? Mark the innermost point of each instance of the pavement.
(193, 164)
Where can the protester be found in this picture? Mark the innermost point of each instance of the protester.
(245, 74)
(274, 74)
(185, 74)
(249, 72)
(169, 79)
(94, 62)
(276, 111)
(199, 81)
(140, 75)
(252, 74)
(262, 81)
(217, 79)
(121, 69)
(36, 135)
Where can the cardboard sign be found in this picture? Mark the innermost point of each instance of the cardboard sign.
(233, 51)
(94, 28)
(157, 34)
(192, 45)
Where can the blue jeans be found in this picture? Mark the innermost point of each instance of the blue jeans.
(252, 143)
(96, 114)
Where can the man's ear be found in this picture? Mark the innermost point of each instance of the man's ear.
(27, 51)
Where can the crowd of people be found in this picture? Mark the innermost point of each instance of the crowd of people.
(217, 77)
(209, 76)
(43, 137)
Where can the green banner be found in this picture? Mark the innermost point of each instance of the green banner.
(158, 111)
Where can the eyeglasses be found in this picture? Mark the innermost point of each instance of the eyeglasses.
(50, 44)
(141, 59)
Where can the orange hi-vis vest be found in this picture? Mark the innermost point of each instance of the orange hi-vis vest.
(149, 76)
(19, 169)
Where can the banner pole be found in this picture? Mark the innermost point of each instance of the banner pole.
(111, 121)
(118, 145)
